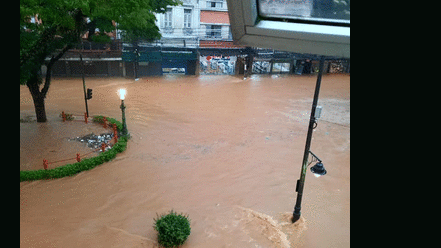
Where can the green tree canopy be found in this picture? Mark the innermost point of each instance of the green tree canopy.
(49, 28)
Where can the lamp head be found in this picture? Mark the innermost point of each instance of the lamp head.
(122, 94)
(318, 169)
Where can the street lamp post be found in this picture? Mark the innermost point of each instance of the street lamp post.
(318, 169)
(122, 94)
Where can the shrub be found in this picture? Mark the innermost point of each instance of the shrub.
(173, 229)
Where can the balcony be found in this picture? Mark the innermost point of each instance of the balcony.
(187, 31)
(213, 33)
(168, 30)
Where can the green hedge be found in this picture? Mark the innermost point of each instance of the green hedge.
(85, 164)
(99, 118)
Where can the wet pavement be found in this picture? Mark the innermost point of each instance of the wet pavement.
(224, 150)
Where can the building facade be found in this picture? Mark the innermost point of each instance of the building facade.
(215, 24)
(196, 39)
(179, 26)
(196, 23)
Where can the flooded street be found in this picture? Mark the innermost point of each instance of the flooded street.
(224, 150)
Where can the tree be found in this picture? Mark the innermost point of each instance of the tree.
(49, 28)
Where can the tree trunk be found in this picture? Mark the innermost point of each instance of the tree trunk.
(34, 87)
(38, 97)
(40, 110)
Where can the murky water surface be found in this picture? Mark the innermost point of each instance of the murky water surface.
(227, 151)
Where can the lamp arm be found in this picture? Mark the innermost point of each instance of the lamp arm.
(315, 156)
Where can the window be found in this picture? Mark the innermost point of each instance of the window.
(214, 4)
(168, 18)
(187, 18)
(332, 11)
(319, 27)
(214, 31)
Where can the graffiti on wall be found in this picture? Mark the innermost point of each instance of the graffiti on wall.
(218, 65)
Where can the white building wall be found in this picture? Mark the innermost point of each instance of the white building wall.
(176, 35)
(178, 20)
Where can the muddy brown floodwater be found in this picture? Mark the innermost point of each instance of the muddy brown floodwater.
(224, 150)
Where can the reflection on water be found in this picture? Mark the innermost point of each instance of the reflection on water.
(227, 151)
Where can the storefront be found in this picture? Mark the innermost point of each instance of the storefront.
(151, 63)
(217, 65)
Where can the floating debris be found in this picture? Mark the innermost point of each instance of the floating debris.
(94, 141)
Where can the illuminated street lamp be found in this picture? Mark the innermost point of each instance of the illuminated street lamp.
(122, 95)
(318, 168)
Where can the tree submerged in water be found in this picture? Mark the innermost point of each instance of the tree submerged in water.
(49, 28)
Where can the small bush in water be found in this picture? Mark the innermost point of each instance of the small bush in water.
(173, 229)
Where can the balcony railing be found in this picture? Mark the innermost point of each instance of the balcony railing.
(213, 33)
(168, 30)
(188, 31)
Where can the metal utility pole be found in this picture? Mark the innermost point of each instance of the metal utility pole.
(312, 121)
(136, 63)
(84, 81)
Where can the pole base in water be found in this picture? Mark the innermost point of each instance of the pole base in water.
(295, 215)
(295, 218)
